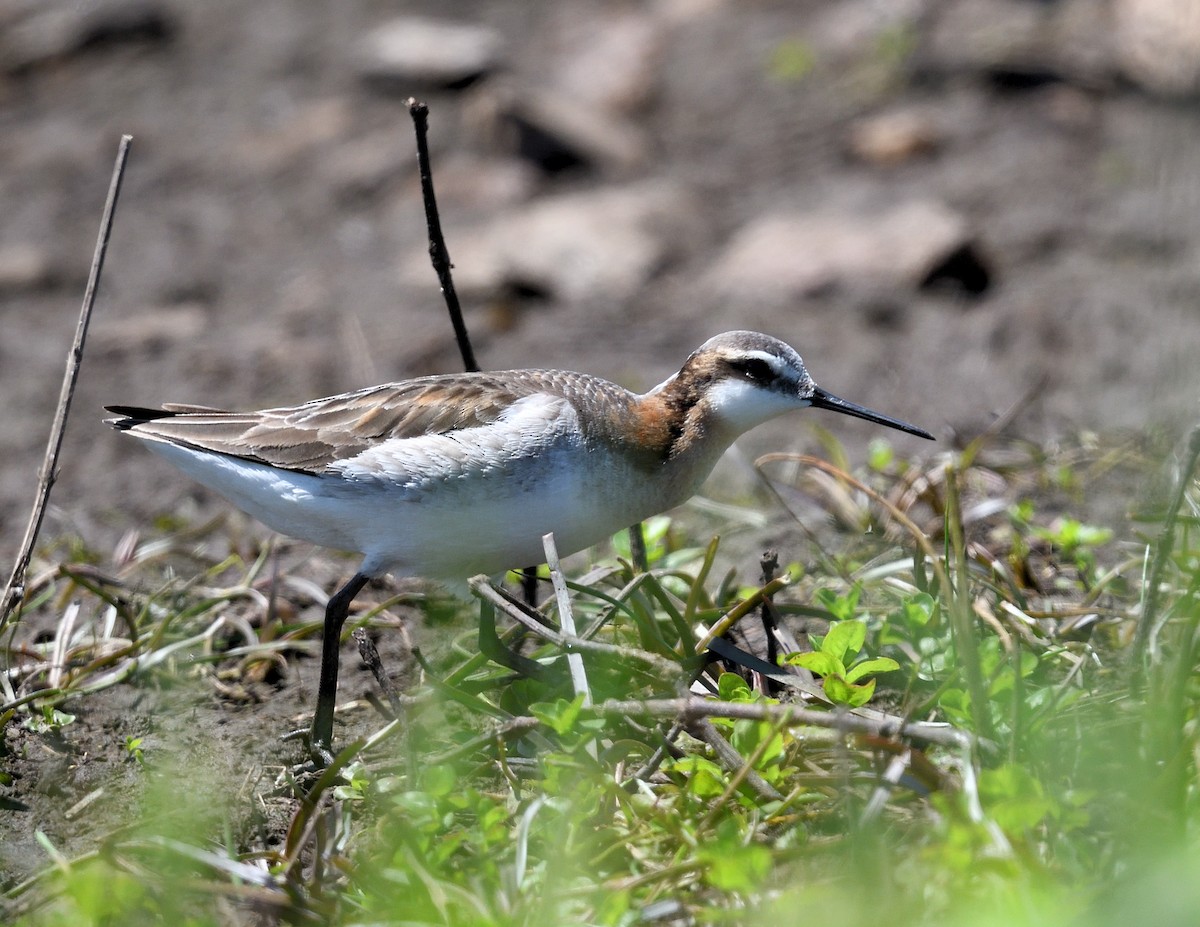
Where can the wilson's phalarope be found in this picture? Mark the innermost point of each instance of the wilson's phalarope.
(451, 476)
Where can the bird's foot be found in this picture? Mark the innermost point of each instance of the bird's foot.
(320, 757)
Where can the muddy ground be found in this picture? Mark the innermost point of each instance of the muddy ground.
(999, 210)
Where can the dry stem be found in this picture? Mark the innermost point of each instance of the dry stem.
(14, 592)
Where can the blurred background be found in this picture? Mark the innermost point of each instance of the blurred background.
(950, 208)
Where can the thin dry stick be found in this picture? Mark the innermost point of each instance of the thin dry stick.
(690, 708)
(439, 255)
(370, 656)
(14, 592)
(746, 773)
(742, 768)
(805, 460)
(437, 244)
(1162, 553)
(962, 628)
(566, 620)
(482, 589)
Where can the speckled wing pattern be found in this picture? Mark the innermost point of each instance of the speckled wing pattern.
(313, 436)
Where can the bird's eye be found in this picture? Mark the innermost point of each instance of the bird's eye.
(755, 369)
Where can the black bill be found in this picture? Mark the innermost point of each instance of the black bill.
(824, 400)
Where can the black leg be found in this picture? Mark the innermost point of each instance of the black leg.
(529, 585)
(335, 616)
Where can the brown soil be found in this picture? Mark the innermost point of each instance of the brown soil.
(271, 205)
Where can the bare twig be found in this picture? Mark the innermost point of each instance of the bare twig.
(485, 591)
(14, 592)
(437, 244)
(370, 655)
(962, 628)
(1162, 553)
(806, 460)
(637, 548)
(896, 768)
(566, 619)
(769, 564)
(721, 627)
(880, 725)
(733, 762)
(440, 256)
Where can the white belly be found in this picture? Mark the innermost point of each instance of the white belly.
(466, 521)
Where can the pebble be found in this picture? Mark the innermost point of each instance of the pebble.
(357, 169)
(605, 244)
(1019, 44)
(37, 34)
(887, 139)
(608, 57)
(152, 330)
(791, 255)
(24, 267)
(303, 130)
(411, 51)
(1158, 44)
(556, 132)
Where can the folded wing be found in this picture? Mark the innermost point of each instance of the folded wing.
(311, 437)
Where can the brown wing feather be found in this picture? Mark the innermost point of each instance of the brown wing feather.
(312, 436)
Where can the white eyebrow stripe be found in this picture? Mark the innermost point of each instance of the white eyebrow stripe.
(774, 361)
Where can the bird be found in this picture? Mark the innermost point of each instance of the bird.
(451, 476)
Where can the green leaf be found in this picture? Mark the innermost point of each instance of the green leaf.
(439, 779)
(656, 534)
(1014, 798)
(861, 694)
(821, 663)
(748, 736)
(733, 864)
(918, 610)
(842, 692)
(845, 637)
(704, 777)
(866, 667)
(841, 607)
(733, 688)
(742, 871)
(1068, 534)
(51, 720)
(880, 455)
(560, 714)
(838, 690)
(792, 60)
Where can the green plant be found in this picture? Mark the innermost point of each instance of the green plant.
(133, 749)
(48, 720)
(833, 662)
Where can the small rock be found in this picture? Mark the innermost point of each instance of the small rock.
(360, 168)
(482, 183)
(149, 331)
(978, 35)
(24, 267)
(608, 57)
(411, 51)
(1158, 44)
(39, 34)
(556, 132)
(1017, 44)
(596, 245)
(892, 138)
(299, 132)
(845, 29)
(685, 12)
(793, 255)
